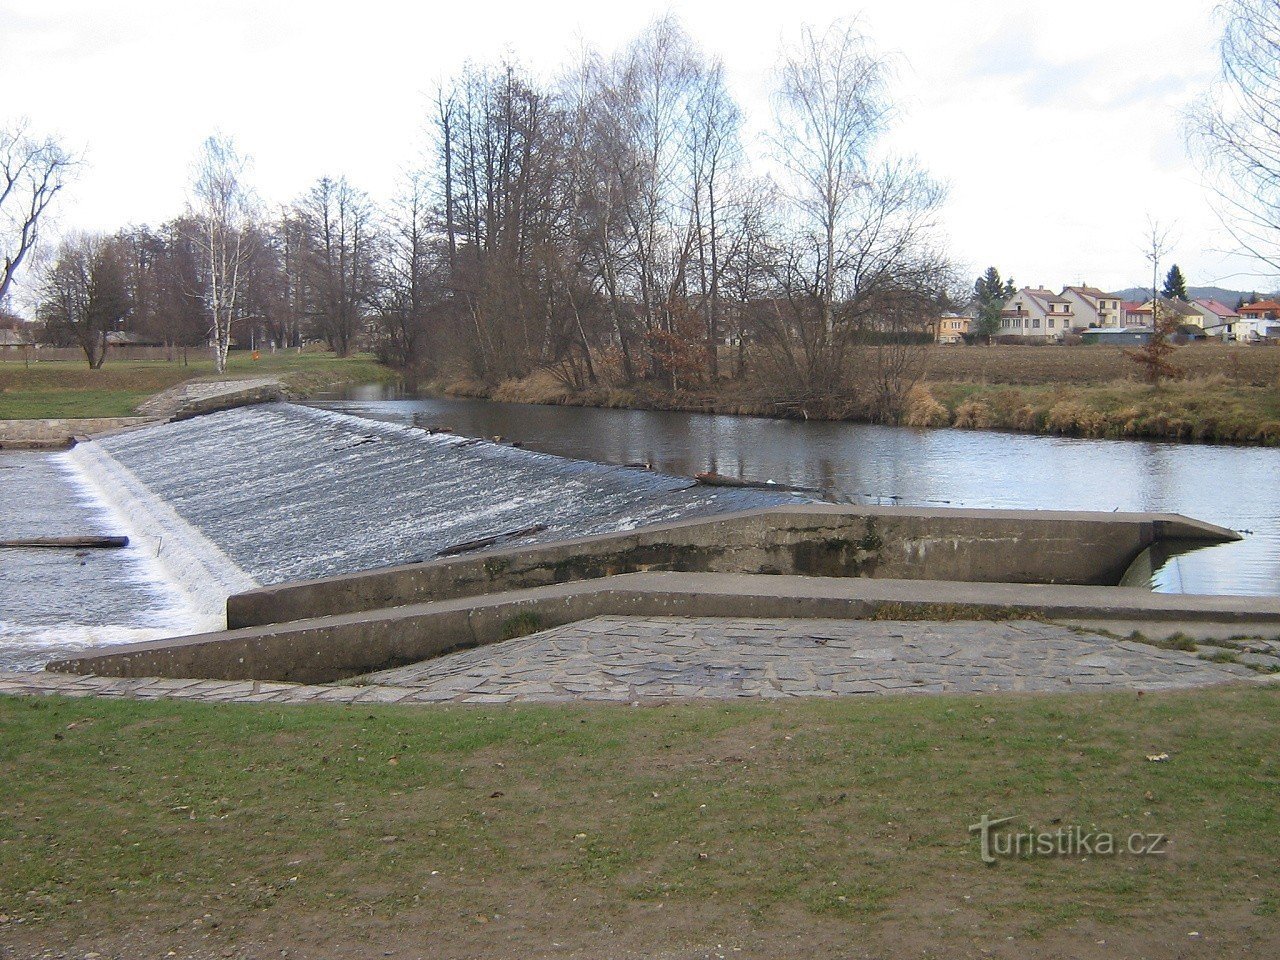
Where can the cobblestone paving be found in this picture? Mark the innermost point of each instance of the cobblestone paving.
(630, 659)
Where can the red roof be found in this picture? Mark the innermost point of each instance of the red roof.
(1217, 308)
(1259, 308)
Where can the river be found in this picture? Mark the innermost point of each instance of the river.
(1237, 487)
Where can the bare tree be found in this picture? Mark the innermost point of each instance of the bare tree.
(340, 236)
(222, 210)
(1153, 357)
(32, 173)
(84, 297)
(828, 110)
(1236, 129)
(857, 248)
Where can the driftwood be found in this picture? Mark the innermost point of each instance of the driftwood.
(483, 542)
(67, 543)
(711, 479)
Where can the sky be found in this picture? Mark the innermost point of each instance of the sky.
(1057, 126)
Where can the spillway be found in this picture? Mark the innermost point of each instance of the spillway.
(286, 492)
(260, 495)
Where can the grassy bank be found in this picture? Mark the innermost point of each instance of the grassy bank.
(1229, 394)
(71, 389)
(136, 828)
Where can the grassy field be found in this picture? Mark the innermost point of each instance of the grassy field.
(1242, 365)
(819, 829)
(67, 388)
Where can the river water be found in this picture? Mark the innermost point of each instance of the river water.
(1236, 487)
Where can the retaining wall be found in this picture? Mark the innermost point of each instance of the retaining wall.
(58, 433)
(823, 540)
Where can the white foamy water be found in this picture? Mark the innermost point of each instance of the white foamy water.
(55, 602)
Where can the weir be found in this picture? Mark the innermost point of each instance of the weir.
(351, 527)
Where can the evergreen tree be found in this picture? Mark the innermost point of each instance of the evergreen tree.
(989, 294)
(1175, 285)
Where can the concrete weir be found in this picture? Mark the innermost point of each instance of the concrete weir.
(801, 561)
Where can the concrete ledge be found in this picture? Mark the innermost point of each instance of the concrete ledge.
(825, 540)
(324, 649)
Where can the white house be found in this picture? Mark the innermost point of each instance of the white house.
(1037, 313)
(1217, 319)
(1093, 307)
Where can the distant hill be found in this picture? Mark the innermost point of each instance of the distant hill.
(1221, 294)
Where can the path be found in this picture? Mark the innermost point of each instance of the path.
(631, 659)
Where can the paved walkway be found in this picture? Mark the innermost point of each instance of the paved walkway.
(632, 659)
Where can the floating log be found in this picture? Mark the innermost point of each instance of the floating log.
(712, 479)
(483, 542)
(67, 543)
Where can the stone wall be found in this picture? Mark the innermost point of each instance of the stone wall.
(59, 433)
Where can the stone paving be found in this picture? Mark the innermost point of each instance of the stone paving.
(647, 659)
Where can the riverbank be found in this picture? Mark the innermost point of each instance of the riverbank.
(70, 390)
(141, 828)
(1230, 394)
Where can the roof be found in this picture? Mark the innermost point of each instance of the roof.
(1093, 292)
(1262, 306)
(1216, 307)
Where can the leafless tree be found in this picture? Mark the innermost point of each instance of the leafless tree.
(1235, 130)
(857, 244)
(339, 228)
(222, 211)
(33, 171)
(84, 295)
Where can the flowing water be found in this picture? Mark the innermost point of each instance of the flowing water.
(1236, 487)
(260, 495)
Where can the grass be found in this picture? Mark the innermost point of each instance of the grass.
(1207, 410)
(64, 388)
(790, 829)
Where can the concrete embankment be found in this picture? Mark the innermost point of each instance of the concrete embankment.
(820, 540)
(809, 561)
(330, 648)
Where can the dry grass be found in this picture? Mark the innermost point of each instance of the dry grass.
(1242, 365)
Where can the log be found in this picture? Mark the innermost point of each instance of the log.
(483, 542)
(67, 543)
(712, 479)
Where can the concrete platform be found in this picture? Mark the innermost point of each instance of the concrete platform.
(324, 649)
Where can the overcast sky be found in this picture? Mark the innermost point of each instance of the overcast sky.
(1056, 125)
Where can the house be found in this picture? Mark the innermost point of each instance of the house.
(1216, 318)
(1093, 307)
(1177, 310)
(1036, 313)
(1259, 321)
(1131, 312)
(128, 338)
(13, 341)
(951, 328)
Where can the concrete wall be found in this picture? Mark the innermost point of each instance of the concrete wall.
(331, 648)
(997, 546)
(53, 434)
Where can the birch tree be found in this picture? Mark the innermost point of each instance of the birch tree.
(33, 171)
(222, 209)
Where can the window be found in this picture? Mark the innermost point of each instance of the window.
(1036, 323)
(1052, 322)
